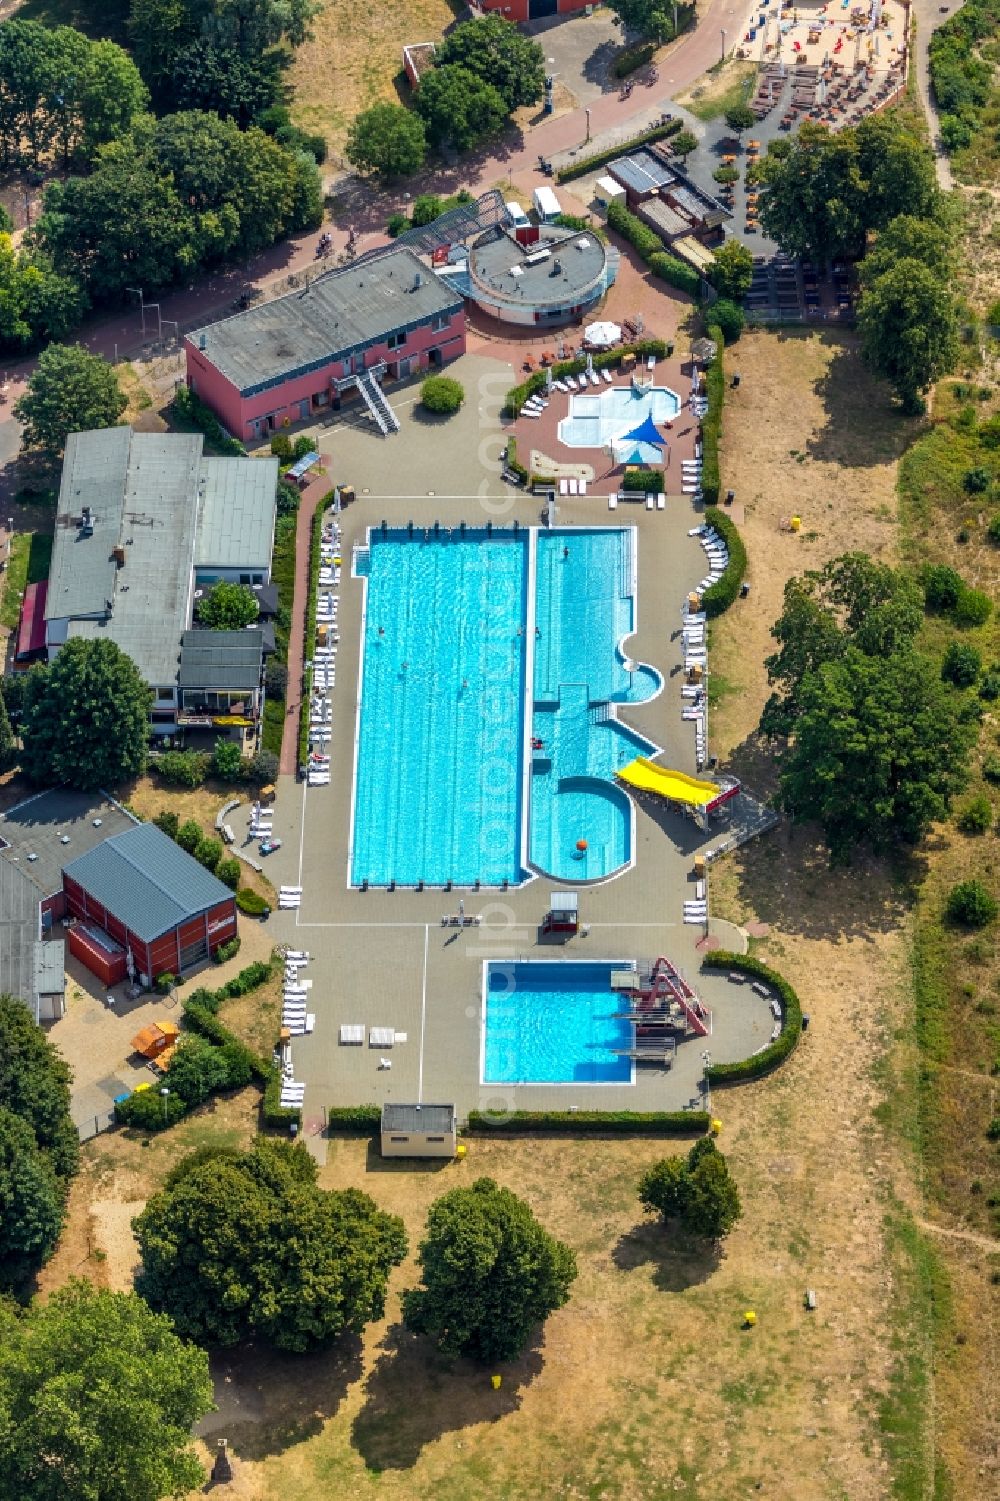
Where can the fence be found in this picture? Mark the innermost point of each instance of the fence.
(95, 1124)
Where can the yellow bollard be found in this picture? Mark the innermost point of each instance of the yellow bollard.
(796, 523)
(461, 1150)
(749, 1319)
(716, 1126)
(495, 1382)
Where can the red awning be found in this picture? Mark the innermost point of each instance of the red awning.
(31, 628)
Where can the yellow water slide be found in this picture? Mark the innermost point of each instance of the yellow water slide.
(680, 788)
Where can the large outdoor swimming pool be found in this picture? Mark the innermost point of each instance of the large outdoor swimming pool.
(554, 1023)
(598, 419)
(445, 767)
(439, 756)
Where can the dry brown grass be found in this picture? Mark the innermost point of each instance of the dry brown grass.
(356, 58)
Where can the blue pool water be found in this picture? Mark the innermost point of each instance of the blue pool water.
(438, 778)
(597, 419)
(585, 609)
(554, 1023)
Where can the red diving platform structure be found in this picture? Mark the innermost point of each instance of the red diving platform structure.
(31, 626)
(663, 1009)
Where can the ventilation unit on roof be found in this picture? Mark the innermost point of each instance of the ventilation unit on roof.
(87, 522)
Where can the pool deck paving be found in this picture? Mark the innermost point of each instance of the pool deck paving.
(383, 958)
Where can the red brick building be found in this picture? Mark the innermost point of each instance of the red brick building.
(153, 899)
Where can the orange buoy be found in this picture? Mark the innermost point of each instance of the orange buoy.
(581, 844)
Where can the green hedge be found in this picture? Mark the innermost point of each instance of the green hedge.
(512, 461)
(718, 597)
(711, 427)
(315, 547)
(585, 164)
(630, 59)
(251, 902)
(590, 1122)
(648, 481)
(631, 228)
(676, 272)
(201, 1019)
(273, 1112)
(363, 1119)
(770, 1057)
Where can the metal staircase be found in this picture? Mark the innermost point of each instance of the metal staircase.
(377, 403)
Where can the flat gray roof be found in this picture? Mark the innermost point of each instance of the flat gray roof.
(19, 931)
(39, 826)
(340, 312)
(221, 660)
(641, 171)
(82, 571)
(147, 881)
(439, 1119)
(501, 266)
(659, 215)
(236, 507)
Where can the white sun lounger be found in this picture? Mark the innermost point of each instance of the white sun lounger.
(310, 1021)
(564, 487)
(651, 362)
(560, 385)
(612, 502)
(607, 376)
(572, 487)
(661, 502)
(650, 502)
(594, 378)
(352, 1035)
(570, 381)
(381, 1037)
(687, 489)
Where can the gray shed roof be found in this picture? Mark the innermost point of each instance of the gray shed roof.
(147, 881)
(237, 499)
(661, 217)
(42, 833)
(221, 660)
(641, 172)
(341, 311)
(439, 1119)
(29, 965)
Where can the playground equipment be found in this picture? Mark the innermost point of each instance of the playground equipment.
(663, 1009)
(700, 797)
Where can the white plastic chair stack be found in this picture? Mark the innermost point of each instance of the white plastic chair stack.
(295, 995)
(324, 657)
(292, 1094)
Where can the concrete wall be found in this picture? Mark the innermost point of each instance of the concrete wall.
(418, 1144)
(295, 400)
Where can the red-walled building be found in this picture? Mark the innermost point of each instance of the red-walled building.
(163, 908)
(531, 10)
(292, 359)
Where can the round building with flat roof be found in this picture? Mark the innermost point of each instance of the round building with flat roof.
(541, 277)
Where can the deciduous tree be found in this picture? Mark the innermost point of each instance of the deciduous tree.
(31, 1201)
(490, 1272)
(732, 270)
(458, 108)
(85, 719)
(228, 607)
(697, 1192)
(908, 320)
(246, 1246)
(388, 141)
(34, 1084)
(97, 1400)
(499, 54)
(70, 391)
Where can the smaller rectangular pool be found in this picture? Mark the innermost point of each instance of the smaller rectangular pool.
(554, 1023)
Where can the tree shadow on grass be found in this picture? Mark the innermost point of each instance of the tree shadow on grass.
(414, 1395)
(267, 1401)
(678, 1261)
(784, 878)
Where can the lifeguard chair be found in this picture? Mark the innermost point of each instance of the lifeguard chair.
(563, 915)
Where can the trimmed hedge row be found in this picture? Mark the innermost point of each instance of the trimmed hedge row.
(718, 597)
(676, 273)
(648, 481)
(632, 58)
(585, 164)
(312, 603)
(711, 427)
(518, 395)
(514, 465)
(590, 1122)
(769, 1058)
(273, 1112)
(362, 1119)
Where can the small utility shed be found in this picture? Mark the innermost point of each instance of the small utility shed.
(419, 1130)
(152, 897)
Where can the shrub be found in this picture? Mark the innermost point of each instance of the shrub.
(725, 175)
(976, 481)
(228, 950)
(262, 768)
(514, 466)
(287, 497)
(632, 58)
(351, 1119)
(993, 531)
(720, 595)
(191, 409)
(961, 664)
(281, 447)
(993, 1129)
(189, 836)
(791, 1020)
(991, 768)
(646, 481)
(441, 395)
(196, 1070)
(150, 1111)
(942, 587)
(250, 978)
(228, 872)
(208, 852)
(250, 902)
(729, 318)
(168, 822)
(273, 1112)
(676, 273)
(398, 224)
(227, 761)
(970, 905)
(585, 164)
(165, 982)
(589, 1123)
(302, 445)
(973, 608)
(426, 208)
(181, 768)
(977, 815)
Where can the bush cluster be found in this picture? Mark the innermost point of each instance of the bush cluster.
(518, 395)
(719, 596)
(791, 1020)
(631, 59)
(589, 1122)
(354, 1118)
(675, 272)
(228, 950)
(190, 408)
(970, 905)
(648, 481)
(250, 901)
(441, 395)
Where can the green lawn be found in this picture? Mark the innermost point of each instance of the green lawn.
(28, 563)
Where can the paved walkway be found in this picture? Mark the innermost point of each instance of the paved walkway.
(311, 497)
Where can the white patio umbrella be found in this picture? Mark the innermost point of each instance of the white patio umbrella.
(603, 335)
